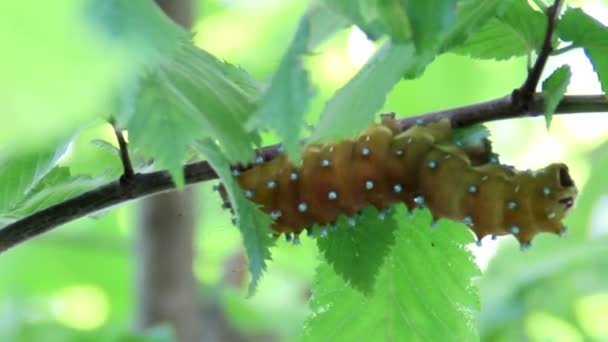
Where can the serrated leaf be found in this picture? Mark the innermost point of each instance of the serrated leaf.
(163, 125)
(517, 31)
(471, 16)
(284, 104)
(423, 291)
(584, 31)
(252, 222)
(191, 96)
(21, 174)
(357, 253)
(353, 107)
(554, 88)
(428, 20)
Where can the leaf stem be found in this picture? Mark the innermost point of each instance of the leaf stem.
(565, 49)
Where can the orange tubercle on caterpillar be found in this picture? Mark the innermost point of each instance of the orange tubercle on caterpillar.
(421, 167)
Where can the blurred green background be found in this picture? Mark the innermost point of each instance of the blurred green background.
(77, 282)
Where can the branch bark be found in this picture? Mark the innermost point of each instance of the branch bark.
(143, 185)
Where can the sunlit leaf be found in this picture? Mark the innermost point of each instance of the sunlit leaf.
(357, 252)
(517, 31)
(423, 291)
(353, 107)
(471, 16)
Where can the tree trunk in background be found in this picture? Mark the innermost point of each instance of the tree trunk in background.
(166, 288)
(165, 284)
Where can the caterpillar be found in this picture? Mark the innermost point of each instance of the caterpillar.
(421, 166)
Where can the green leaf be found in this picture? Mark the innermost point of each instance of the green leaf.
(584, 31)
(163, 125)
(394, 20)
(518, 284)
(324, 22)
(402, 21)
(157, 333)
(20, 174)
(191, 96)
(253, 223)
(426, 22)
(370, 19)
(471, 16)
(35, 181)
(554, 88)
(471, 135)
(518, 31)
(138, 162)
(357, 253)
(139, 25)
(429, 19)
(353, 107)
(423, 291)
(58, 185)
(592, 192)
(66, 78)
(283, 106)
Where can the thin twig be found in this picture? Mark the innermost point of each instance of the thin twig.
(523, 97)
(128, 172)
(142, 185)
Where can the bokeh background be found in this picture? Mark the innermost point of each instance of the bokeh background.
(77, 283)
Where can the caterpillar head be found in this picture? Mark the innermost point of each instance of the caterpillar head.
(557, 193)
(565, 190)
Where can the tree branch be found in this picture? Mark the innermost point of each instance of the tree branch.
(142, 185)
